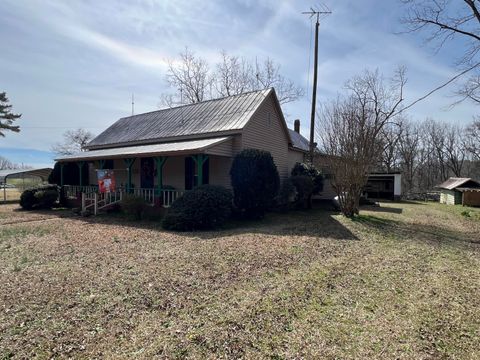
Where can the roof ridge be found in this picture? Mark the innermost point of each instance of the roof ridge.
(198, 103)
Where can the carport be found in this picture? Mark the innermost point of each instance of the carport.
(42, 173)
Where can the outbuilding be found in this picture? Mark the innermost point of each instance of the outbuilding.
(456, 191)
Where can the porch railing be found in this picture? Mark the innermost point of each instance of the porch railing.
(94, 201)
(147, 194)
(168, 196)
(74, 191)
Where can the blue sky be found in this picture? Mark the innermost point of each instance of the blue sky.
(70, 64)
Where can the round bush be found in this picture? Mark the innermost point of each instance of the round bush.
(46, 198)
(255, 182)
(134, 206)
(304, 187)
(40, 197)
(303, 169)
(205, 207)
(28, 199)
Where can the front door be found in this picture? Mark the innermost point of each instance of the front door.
(147, 173)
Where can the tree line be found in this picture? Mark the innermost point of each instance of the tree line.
(428, 152)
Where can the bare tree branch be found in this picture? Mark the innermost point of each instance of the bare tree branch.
(74, 141)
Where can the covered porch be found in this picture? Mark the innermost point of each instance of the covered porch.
(158, 173)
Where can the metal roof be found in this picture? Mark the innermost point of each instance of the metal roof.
(455, 182)
(213, 116)
(299, 141)
(42, 173)
(155, 149)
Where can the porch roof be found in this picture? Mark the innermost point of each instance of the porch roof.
(171, 148)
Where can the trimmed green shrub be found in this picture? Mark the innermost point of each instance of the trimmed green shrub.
(133, 206)
(255, 182)
(303, 169)
(286, 194)
(204, 207)
(40, 197)
(304, 189)
(46, 198)
(28, 199)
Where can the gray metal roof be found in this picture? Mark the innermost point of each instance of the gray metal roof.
(171, 148)
(42, 173)
(455, 182)
(213, 116)
(298, 141)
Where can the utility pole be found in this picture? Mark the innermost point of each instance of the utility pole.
(317, 13)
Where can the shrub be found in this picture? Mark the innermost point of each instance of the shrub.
(286, 194)
(39, 197)
(46, 198)
(304, 187)
(255, 182)
(303, 169)
(133, 206)
(27, 199)
(204, 207)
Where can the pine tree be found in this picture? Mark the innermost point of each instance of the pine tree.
(6, 116)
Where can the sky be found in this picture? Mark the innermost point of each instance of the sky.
(71, 64)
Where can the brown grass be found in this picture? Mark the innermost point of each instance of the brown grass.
(401, 281)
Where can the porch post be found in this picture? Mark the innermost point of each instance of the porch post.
(101, 164)
(80, 168)
(129, 162)
(61, 174)
(159, 162)
(199, 159)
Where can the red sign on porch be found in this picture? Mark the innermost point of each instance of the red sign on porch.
(106, 181)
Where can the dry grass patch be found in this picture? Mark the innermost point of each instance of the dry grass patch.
(402, 282)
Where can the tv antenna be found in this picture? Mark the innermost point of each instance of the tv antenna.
(133, 104)
(320, 12)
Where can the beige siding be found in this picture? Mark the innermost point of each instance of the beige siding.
(293, 158)
(237, 144)
(174, 172)
(220, 171)
(265, 131)
(223, 149)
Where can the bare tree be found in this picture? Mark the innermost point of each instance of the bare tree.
(409, 151)
(193, 81)
(436, 136)
(268, 75)
(472, 139)
(454, 149)
(6, 164)
(190, 78)
(74, 141)
(233, 75)
(445, 20)
(350, 131)
(389, 139)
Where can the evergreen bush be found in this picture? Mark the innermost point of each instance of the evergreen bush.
(255, 182)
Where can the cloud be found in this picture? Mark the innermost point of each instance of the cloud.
(139, 56)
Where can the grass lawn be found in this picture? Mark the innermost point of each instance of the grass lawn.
(400, 281)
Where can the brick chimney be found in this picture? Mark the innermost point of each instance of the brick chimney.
(296, 126)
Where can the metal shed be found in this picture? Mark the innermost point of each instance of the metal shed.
(42, 173)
